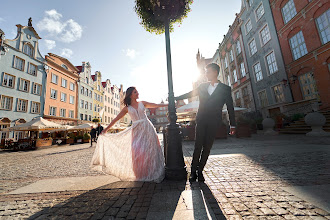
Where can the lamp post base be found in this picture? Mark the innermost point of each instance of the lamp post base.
(175, 168)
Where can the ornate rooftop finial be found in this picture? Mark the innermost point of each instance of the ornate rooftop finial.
(30, 22)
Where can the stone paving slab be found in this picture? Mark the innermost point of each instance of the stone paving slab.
(66, 184)
(316, 194)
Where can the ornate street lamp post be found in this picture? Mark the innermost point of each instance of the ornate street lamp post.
(158, 16)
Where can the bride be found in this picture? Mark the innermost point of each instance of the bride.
(134, 154)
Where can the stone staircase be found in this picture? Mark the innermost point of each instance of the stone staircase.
(300, 127)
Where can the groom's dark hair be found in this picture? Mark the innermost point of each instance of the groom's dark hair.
(213, 66)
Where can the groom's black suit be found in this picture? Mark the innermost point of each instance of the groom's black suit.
(208, 119)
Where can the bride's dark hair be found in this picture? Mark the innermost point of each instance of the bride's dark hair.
(127, 99)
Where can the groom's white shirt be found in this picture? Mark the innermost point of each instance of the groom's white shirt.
(211, 88)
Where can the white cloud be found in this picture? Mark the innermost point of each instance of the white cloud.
(65, 31)
(50, 44)
(131, 53)
(66, 53)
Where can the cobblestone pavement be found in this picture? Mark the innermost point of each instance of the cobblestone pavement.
(244, 180)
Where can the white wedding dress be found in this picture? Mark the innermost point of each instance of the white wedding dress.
(134, 154)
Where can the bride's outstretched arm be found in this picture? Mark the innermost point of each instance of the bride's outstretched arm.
(153, 105)
(119, 116)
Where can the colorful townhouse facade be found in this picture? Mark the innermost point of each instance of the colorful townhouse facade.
(303, 29)
(85, 93)
(61, 91)
(23, 79)
(264, 57)
(234, 69)
(98, 96)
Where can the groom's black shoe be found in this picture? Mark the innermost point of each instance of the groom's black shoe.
(193, 176)
(200, 176)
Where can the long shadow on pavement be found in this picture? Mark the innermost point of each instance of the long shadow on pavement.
(131, 200)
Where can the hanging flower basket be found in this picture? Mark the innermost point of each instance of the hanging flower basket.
(155, 13)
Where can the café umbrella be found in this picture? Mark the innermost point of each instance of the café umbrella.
(36, 124)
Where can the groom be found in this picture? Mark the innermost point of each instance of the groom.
(212, 97)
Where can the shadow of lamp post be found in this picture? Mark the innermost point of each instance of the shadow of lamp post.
(158, 16)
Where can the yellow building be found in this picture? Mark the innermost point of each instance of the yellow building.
(98, 96)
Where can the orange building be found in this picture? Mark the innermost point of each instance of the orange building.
(61, 101)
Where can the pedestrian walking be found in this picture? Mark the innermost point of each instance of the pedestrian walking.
(93, 135)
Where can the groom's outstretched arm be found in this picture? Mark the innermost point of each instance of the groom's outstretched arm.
(188, 95)
(230, 108)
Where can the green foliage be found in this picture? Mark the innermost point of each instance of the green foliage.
(71, 135)
(86, 136)
(79, 137)
(298, 116)
(96, 120)
(154, 13)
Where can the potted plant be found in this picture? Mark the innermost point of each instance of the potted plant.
(70, 138)
(86, 138)
(79, 139)
(243, 128)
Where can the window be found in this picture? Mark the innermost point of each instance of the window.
(235, 75)
(265, 35)
(90, 117)
(63, 112)
(231, 55)
(36, 89)
(24, 85)
(82, 104)
(54, 78)
(90, 106)
(86, 92)
(86, 117)
(28, 50)
(298, 46)
(81, 116)
(237, 95)
(52, 111)
(71, 114)
(248, 26)
(263, 98)
(250, 2)
(71, 99)
(288, 11)
(95, 107)
(228, 80)
(226, 62)
(95, 96)
(271, 62)
(260, 11)
(98, 87)
(258, 72)
(253, 47)
(19, 63)
(64, 66)
(86, 80)
(32, 69)
(308, 86)
(82, 89)
(86, 105)
(238, 47)
(53, 93)
(8, 80)
(101, 98)
(245, 91)
(243, 73)
(90, 93)
(278, 93)
(64, 83)
(72, 86)
(324, 26)
(63, 97)
(6, 102)
(22, 105)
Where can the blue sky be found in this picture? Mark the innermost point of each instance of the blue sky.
(107, 33)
